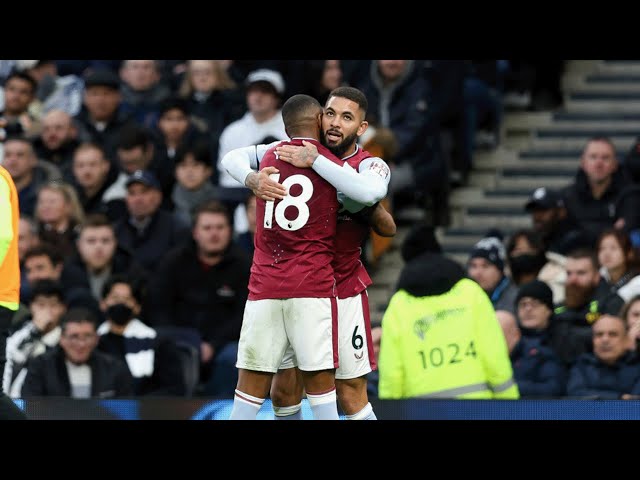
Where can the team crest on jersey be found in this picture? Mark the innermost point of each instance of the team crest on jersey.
(379, 168)
(359, 357)
(421, 326)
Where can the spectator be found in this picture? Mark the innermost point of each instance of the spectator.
(142, 91)
(41, 262)
(147, 231)
(74, 368)
(58, 213)
(526, 256)
(40, 333)
(100, 119)
(203, 285)
(19, 92)
(630, 313)
(91, 180)
(262, 124)
(154, 362)
(536, 367)
(486, 267)
(193, 172)
(611, 371)
(27, 238)
(27, 173)
(618, 266)
(99, 256)
(591, 200)
(58, 140)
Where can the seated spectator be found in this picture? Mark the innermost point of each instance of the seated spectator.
(19, 92)
(153, 361)
(58, 139)
(536, 367)
(591, 200)
(618, 266)
(147, 231)
(40, 333)
(91, 179)
(193, 186)
(41, 262)
(611, 371)
(74, 368)
(486, 267)
(27, 238)
(203, 285)
(630, 313)
(142, 90)
(582, 307)
(27, 173)
(526, 256)
(58, 212)
(99, 256)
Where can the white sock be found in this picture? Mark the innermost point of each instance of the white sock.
(245, 407)
(324, 405)
(365, 414)
(293, 412)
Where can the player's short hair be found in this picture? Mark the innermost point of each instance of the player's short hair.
(297, 108)
(353, 94)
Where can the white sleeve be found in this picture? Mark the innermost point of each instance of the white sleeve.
(240, 162)
(366, 187)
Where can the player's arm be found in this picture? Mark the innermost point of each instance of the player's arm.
(6, 225)
(242, 164)
(367, 186)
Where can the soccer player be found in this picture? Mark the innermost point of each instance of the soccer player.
(9, 279)
(292, 286)
(361, 182)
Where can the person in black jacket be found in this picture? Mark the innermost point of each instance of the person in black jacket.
(203, 285)
(74, 368)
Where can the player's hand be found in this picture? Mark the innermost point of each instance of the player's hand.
(302, 157)
(264, 187)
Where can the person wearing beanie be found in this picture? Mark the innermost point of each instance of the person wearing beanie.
(449, 321)
(537, 368)
(486, 267)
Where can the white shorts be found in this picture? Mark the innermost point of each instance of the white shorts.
(307, 325)
(355, 345)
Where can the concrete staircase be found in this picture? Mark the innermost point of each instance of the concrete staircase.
(536, 149)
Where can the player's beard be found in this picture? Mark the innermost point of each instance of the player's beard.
(577, 296)
(339, 149)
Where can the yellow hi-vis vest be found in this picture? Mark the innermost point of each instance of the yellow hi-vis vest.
(444, 346)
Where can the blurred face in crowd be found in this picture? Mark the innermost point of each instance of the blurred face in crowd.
(90, 168)
(27, 237)
(120, 293)
(192, 174)
(212, 233)
(47, 311)
(173, 124)
(101, 102)
(78, 340)
(533, 313)
(582, 279)
(611, 255)
(142, 201)
(599, 161)
(140, 75)
(545, 219)
(136, 158)
(96, 246)
(19, 159)
(332, 74)
(609, 338)
(202, 74)
(342, 124)
(262, 100)
(51, 206)
(485, 273)
(391, 69)
(18, 94)
(40, 267)
(633, 314)
(57, 129)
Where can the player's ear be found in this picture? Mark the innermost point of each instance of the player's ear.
(362, 128)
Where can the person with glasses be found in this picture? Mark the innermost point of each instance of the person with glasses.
(75, 368)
